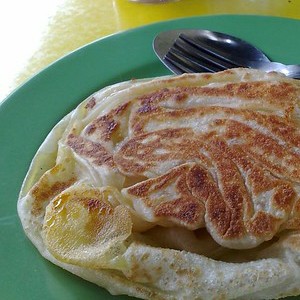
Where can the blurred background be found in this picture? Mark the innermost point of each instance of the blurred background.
(36, 33)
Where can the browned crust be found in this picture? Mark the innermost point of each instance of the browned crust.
(44, 190)
(227, 198)
(183, 209)
(234, 163)
(106, 128)
(91, 103)
(278, 94)
(137, 156)
(90, 150)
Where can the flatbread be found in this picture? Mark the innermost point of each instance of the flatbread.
(178, 187)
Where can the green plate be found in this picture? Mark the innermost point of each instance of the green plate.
(28, 114)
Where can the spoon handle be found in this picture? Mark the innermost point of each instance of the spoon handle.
(292, 71)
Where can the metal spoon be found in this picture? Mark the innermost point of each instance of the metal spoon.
(188, 50)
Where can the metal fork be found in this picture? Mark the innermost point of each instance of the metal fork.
(188, 55)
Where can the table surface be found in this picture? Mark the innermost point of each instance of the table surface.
(36, 33)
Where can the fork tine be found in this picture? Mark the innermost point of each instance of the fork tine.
(180, 68)
(199, 56)
(212, 53)
(189, 55)
(186, 63)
